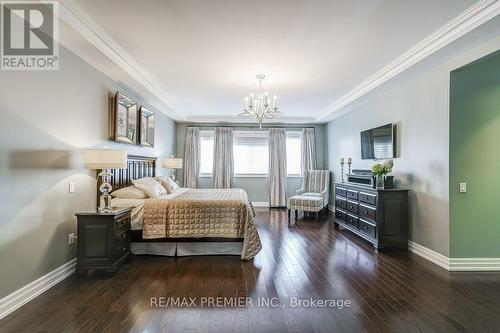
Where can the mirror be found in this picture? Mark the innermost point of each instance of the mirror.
(125, 119)
(147, 127)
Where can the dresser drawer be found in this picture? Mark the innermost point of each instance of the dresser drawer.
(368, 198)
(352, 220)
(341, 191)
(340, 202)
(340, 214)
(351, 194)
(367, 212)
(367, 228)
(352, 206)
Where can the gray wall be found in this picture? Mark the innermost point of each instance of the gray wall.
(419, 105)
(46, 119)
(256, 187)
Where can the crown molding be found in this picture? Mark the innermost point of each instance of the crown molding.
(236, 119)
(473, 17)
(95, 35)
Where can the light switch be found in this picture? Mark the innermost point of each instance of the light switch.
(462, 187)
(71, 187)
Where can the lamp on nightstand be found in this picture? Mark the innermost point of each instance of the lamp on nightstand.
(172, 163)
(104, 160)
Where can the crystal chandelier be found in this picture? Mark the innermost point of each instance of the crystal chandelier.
(260, 106)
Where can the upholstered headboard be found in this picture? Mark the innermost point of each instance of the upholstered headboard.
(137, 167)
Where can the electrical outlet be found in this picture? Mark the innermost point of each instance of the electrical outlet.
(71, 187)
(462, 187)
(71, 239)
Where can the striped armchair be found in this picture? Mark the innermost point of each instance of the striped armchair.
(314, 194)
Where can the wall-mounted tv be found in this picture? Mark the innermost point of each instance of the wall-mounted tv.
(378, 143)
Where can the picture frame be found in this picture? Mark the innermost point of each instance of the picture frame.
(146, 127)
(124, 119)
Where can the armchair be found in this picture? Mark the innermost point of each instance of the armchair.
(314, 194)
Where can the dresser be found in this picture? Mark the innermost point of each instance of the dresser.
(378, 216)
(103, 241)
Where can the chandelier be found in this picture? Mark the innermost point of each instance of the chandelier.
(260, 106)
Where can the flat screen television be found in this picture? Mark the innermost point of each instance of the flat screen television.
(378, 143)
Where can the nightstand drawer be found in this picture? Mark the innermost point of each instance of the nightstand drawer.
(122, 235)
(122, 222)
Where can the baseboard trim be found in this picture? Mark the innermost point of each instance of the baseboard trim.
(455, 264)
(18, 298)
(331, 208)
(474, 264)
(260, 203)
(428, 254)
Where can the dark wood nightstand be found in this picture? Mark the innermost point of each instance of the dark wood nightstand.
(103, 240)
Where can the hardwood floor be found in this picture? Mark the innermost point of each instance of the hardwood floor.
(394, 291)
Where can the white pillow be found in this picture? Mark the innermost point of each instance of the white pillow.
(150, 186)
(173, 184)
(165, 183)
(129, 192)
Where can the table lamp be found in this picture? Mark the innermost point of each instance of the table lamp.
(172, 163)
(104, 160)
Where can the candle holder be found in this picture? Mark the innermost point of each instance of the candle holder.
(342, 171)
(349, 163)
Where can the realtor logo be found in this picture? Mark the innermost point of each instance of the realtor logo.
(29, 33)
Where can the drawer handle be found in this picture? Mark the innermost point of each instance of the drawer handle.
(124, 236)
(124, 249)
(366, 212)
(366, 228)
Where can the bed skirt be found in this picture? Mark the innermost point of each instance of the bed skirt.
(172, 249)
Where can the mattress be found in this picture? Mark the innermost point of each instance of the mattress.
(137, 206)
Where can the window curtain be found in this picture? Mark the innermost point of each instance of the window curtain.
(277, 167)
(223, 166)
(192, 157)
(308, 149)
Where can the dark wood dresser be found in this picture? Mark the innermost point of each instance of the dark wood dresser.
(379, 216)
(103, 240)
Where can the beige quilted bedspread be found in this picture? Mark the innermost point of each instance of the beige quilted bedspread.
(224, 213)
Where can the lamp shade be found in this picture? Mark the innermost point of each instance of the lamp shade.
(172, 163)
(105, 159)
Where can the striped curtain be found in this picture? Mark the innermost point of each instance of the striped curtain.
(223, 166)
(277, 167)
(192, 157)
(308, 149)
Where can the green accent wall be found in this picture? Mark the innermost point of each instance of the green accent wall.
(475, 159)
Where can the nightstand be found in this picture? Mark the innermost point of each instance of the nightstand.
(103, 240)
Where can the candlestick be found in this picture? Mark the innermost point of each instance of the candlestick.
(349, 162)
(342, 170)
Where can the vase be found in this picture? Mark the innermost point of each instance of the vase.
(380, 182)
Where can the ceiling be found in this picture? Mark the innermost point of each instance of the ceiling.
(202, 56)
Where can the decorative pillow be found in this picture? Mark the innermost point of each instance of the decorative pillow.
(150, 186)
(165, 183)
(173, 184)
(129, 192)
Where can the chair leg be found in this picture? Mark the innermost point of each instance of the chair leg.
(288, 214)
(296, 214)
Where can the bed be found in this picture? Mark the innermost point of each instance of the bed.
(189, 221)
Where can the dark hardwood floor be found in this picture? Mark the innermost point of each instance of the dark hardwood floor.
(389, 292)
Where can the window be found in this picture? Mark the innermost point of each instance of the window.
(293, 153)
(251, 153)
(206, 153)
